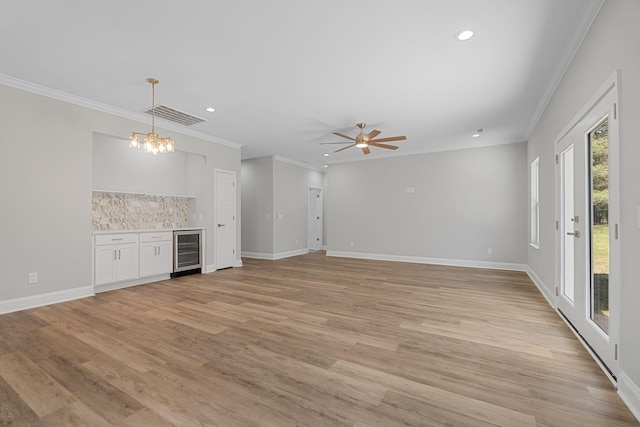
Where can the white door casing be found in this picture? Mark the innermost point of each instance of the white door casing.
(225, 230)
(314, 221)
(574, 270)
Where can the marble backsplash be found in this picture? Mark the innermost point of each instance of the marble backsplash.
(120, 211)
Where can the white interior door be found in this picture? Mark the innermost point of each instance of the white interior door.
(225, 219)
(314, 228)
(588, 201)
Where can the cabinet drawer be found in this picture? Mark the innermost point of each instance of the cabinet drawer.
(156, 237)
(115, 239)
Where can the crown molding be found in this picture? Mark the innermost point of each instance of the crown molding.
(296, 163)
(581, 29)
(93, 105)
(459, 147)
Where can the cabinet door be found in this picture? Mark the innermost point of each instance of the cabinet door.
(127, 265)
(105, 267)
(164, 258)
(148, 253)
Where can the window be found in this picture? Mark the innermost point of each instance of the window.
(534, 238)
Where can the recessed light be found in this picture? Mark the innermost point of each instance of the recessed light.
(326, 166)
(210, 109)
(464, 35)
(326, 154)
(477, 134)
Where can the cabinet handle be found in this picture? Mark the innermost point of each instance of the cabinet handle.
(158, 250)
(115, 254)
(119, 255)
(118, 239)
(156, 237)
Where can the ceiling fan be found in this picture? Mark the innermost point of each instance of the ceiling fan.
(364, 141)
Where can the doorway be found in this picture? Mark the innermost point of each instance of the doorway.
(587, 194)
(314, 222)
(225, 230)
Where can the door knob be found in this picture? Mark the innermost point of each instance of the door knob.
(221, 225)
(575, 234)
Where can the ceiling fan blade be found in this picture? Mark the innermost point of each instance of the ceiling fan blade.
(372, 134)
(349, 146)
(325, 143)
(391, 138)
(388, 147)
(344, 136)
(365, 150)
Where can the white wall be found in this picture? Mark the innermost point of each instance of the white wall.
(611, 43)
(465, 202)
(46, 182)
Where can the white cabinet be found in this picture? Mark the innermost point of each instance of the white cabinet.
(156, 253)
(116, 258)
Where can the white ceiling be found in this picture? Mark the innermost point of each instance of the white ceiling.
(284, 74)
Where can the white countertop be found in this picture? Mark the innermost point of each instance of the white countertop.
(151, 230)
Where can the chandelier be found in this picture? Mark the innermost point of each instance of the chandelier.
(152, 143)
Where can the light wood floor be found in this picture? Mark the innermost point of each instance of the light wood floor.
(309, 341)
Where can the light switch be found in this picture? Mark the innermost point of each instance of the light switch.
(279, 216)
(33, 278)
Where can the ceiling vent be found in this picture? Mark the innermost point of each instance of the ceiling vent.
(175, 116)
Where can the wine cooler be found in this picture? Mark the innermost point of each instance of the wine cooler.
(187, 252)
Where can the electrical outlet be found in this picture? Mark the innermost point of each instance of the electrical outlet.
(33, 278)
(351, 244)
(296, 241)
(489, 251)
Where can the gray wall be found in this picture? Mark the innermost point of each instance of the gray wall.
(291, 200)
(465, 202)
(612, 43)
(257, 203)
(46, 182)
(116, 167)
(275, 202)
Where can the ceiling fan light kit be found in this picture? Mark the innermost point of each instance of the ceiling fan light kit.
(152, 143)
(363, 141)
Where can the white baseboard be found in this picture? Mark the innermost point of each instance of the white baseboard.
(437, 261)
(290, 253)
(120, 285)
(211, 268)
(257, 255)
(542, 287)
(273, 257)
(25, 303)
(629, 392)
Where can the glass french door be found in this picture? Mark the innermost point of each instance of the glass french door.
(587, 193)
